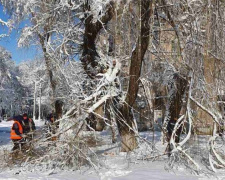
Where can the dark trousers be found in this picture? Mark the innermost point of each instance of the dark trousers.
(18, 144)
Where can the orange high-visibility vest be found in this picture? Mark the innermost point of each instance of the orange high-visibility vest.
(13, 133)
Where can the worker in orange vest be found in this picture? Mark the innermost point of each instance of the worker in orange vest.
(28, 126)
(16, 134)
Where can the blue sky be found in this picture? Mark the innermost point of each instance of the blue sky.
(10, 43)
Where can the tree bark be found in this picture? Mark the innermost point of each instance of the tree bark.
(58, 109)
(126, 121)
(48, 64)
(44, 39)
(175, 105)
(89, 55)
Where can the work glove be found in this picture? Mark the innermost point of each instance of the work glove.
(23, 135)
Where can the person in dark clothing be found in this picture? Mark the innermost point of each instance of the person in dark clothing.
(28, 126)
(16, 134)
(51, 118)
(51, 127)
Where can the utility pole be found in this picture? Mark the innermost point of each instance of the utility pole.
(39, 116)
(35, 87)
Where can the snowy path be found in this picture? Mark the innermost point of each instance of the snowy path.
(117, 168)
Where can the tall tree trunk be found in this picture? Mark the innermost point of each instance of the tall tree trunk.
(126, 120)
(179, 88)
(89, 55)
(49, 69)
(44, 39)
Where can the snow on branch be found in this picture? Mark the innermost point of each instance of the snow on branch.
(216, 155)
(3, 23)
(3, 35)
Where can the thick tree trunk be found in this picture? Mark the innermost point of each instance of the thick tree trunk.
(89, 54)
(179, 87)
(58, 110)
(49, 68)
(89, 57)
(56, 104)
(175, 105)
(44, 39)
(125, 121)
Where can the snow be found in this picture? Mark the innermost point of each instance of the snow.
(48, 22)
(3, 22)
(5, 128)
(145, 171)
(114, 164)
(154, 170)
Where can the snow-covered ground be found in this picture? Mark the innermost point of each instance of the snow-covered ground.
(147, 171)
(5, 133)
(115, 165)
